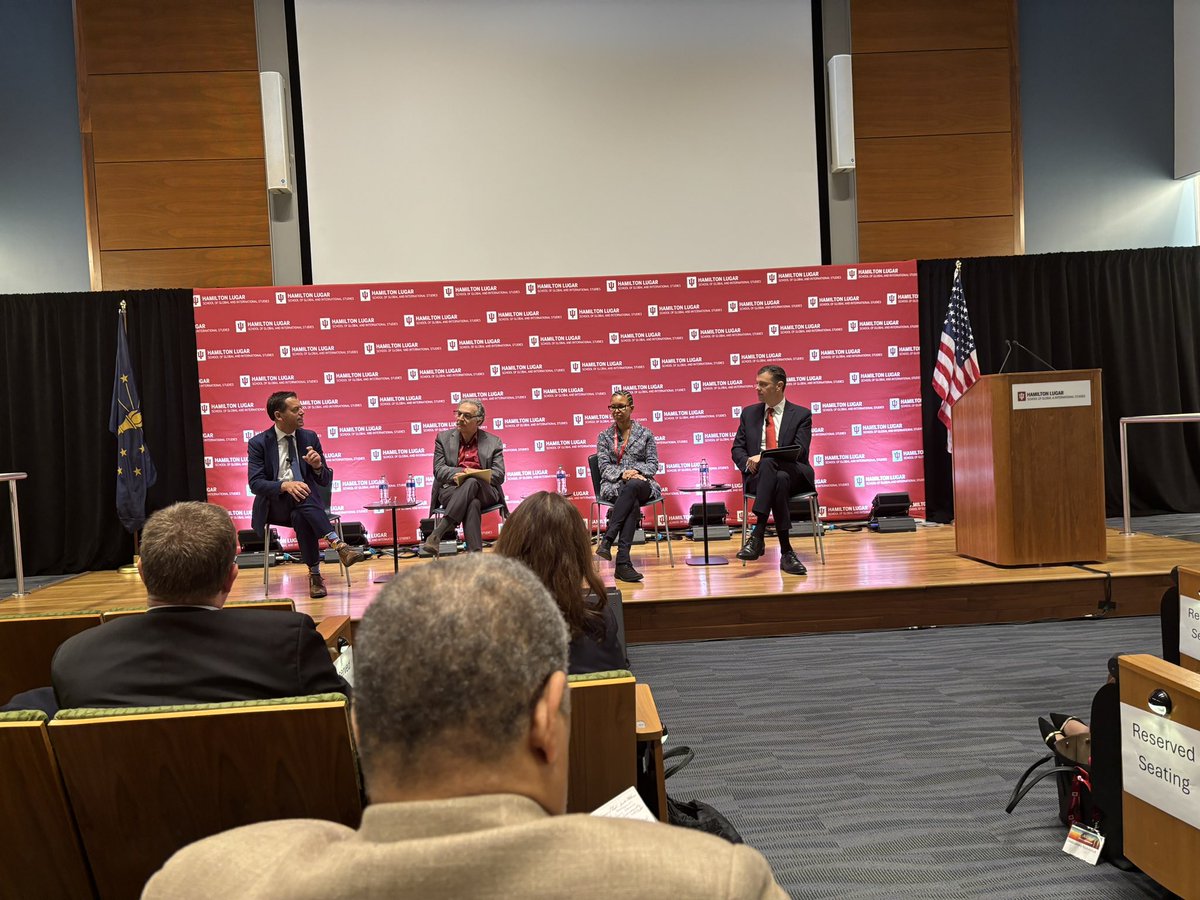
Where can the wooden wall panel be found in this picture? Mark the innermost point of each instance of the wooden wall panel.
(939, 176)
(936, 238)
(937, 121)
(207, 203)
(171, 125)
(192, 115)
(193, 267)
(880, 26)
(923, 93)
(124, 36)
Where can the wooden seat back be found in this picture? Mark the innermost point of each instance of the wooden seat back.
(603, 753)
(29, 642)
(145, 782)
(41, 855)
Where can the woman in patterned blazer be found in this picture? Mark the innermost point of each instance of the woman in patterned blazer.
(628, 460)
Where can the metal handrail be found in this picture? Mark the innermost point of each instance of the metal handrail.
(12, 478)
(1150, 420)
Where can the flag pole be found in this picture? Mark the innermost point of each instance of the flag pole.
(129, 568)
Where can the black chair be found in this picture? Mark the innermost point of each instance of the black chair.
(814, 511)
(598, 504)
(326, 494)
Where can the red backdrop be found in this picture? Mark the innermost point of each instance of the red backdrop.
(380, 368)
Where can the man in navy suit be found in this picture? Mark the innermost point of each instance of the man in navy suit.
(287, 471)
(186, 648)
(773, 422)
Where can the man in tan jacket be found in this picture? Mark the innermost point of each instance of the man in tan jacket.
(462, 715)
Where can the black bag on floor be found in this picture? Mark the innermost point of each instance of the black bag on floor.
(694, 813)
(1087, 773)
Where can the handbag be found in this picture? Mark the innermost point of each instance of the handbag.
(1087, 772)
(695, 814)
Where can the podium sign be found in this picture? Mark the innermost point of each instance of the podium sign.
(1029, 469)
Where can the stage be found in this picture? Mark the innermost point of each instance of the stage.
(870, 581)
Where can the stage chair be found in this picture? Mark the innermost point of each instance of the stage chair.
(438, 511)
(598, 505)
(41, 855)
(145, 782)
(1163, 846)
(283, 604)
(814, 511)
(326, 494)
(29, 641)
(603, 752)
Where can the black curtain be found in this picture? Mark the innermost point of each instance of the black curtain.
(59, 360)
(1131, 313)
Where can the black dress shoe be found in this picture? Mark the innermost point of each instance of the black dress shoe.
(626, 572)
(790, 564)
(604, 549)
(752, 549)
(316, 586)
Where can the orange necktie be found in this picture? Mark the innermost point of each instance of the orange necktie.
(772, 443)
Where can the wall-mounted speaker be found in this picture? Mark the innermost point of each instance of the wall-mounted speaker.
(276, 136)
(841, 113)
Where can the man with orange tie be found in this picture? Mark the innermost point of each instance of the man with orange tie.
(772, 423)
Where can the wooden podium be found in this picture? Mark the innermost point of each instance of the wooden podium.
(1029, 469)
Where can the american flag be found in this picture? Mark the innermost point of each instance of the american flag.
(957, 366)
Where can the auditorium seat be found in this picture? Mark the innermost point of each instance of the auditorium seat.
(144, 782)
(29, 641)
(603, 754)
(40, 853)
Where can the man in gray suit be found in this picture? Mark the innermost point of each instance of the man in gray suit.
(468, 469)
(463, 719)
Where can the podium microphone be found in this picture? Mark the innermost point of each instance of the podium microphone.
(1035, 356)
(1009, 345)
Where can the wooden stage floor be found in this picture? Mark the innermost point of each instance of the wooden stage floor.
(871, 581)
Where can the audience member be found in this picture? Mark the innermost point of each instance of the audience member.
(547, 533)
(462, 715)
(185, 648)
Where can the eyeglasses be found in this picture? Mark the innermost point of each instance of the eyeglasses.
(615, 408)
(466, 415)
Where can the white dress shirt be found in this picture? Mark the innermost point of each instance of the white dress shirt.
(777, 417)
(285, 465)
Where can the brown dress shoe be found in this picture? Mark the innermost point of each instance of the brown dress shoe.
(316, 586)
(350, 555)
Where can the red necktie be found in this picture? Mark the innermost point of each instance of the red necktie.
(772, 443)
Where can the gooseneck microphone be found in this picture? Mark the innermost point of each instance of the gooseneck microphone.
(1009, 345)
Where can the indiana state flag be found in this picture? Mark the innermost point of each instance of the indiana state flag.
(135, 469)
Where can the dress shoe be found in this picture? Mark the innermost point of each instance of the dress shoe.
(752, 549)
(349, 555)
(790, 564)
(433, 543)
(604, 549)
(316, 586)
(626, 572)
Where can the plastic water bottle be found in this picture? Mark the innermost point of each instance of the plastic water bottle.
(561, 478)
(383, 489)
(704, 473)
(410, 489)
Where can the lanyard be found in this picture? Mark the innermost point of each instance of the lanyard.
(618, 448)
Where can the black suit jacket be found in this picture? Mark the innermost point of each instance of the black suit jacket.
(263, 470)
(794, 428)
(182, 654)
